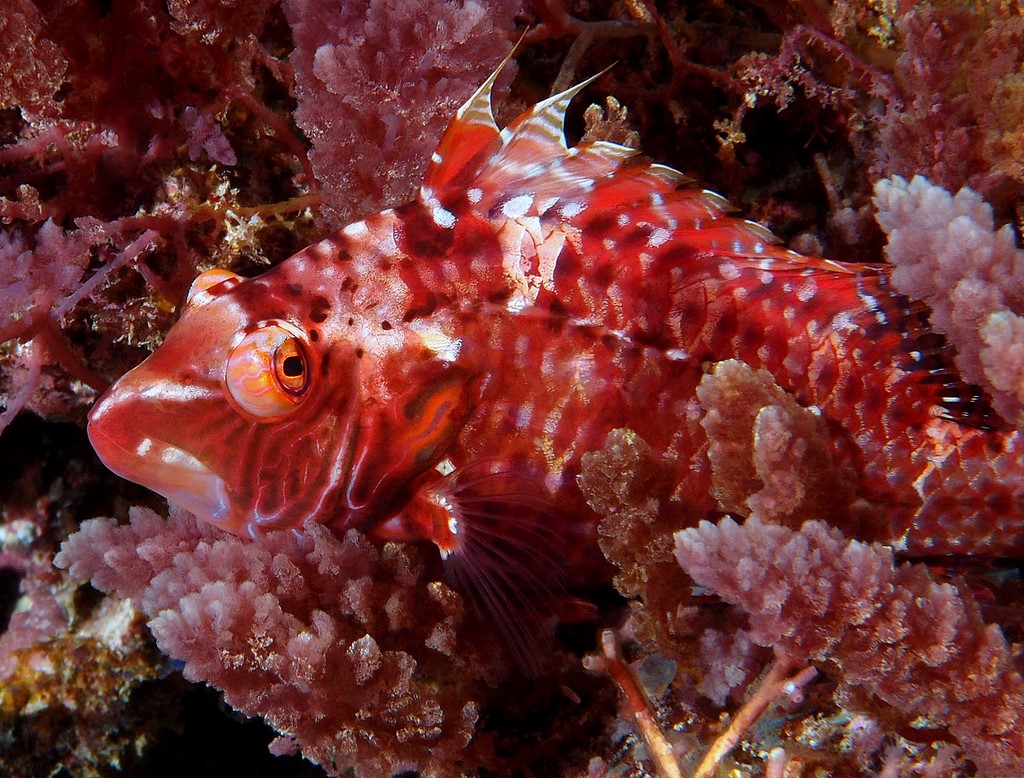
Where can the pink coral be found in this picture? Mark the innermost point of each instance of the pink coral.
(98, 106)
(768, 454)
(948, 253)
(912, 642)
(959, 72)
(347, 649)
(377, 83)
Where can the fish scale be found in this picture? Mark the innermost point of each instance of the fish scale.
(436, 372)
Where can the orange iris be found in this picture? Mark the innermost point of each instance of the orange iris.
(268, 371)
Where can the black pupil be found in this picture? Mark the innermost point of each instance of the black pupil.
(292, 366)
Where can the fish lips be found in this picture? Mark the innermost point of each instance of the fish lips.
(154, 463)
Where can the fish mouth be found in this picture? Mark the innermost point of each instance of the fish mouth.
(160, 466)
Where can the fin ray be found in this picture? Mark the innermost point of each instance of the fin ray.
(506, 561)
(470, 139)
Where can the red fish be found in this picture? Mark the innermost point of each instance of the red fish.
(438, 370)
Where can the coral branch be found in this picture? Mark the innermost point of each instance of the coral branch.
(29, 380)
(611, 662)
(776, 684)
(130, 253)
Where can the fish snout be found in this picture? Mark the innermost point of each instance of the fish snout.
(131, 434)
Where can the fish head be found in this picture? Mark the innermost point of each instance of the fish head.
(268, 407)
(217, 417)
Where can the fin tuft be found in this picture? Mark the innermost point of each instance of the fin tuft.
(502, 555)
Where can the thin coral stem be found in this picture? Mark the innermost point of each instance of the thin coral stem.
(882, 82)
(31, 380)
(292, 205)
(130, 254)
(659, 748)
(680, 63)
(284, 133)
(777, 683)
(775, 764)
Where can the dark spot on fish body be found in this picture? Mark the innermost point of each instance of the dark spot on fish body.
(319, 308)
(655, 339)
(555, 324)
(877, 330)
(476, 238)
(422, 305)
(635, 239)
(568, 267)
(995, 444)
(873, 400)
(314, 335)
(421, 236)
(325, 364)
(556, 306)
(748, 340)
(499, 296)
(692, 312)
(255, 293)
(603, 275)
(588, 332)
(295, 289)
(359, 353)
(674, 255)
(905, 413)
(601, 224)
(826, 377)
(455, 199)
(849, 391)
(656, 305)
(726, 328)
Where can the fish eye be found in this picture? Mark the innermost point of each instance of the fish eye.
(268, 370)
(290, 366)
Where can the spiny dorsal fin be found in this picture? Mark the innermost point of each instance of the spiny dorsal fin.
(539, 133)
(528, 171)
(469, 140)
(529, 158)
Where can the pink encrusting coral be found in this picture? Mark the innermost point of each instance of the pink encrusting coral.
(349, 650)
(947, 252)
(378, 82)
